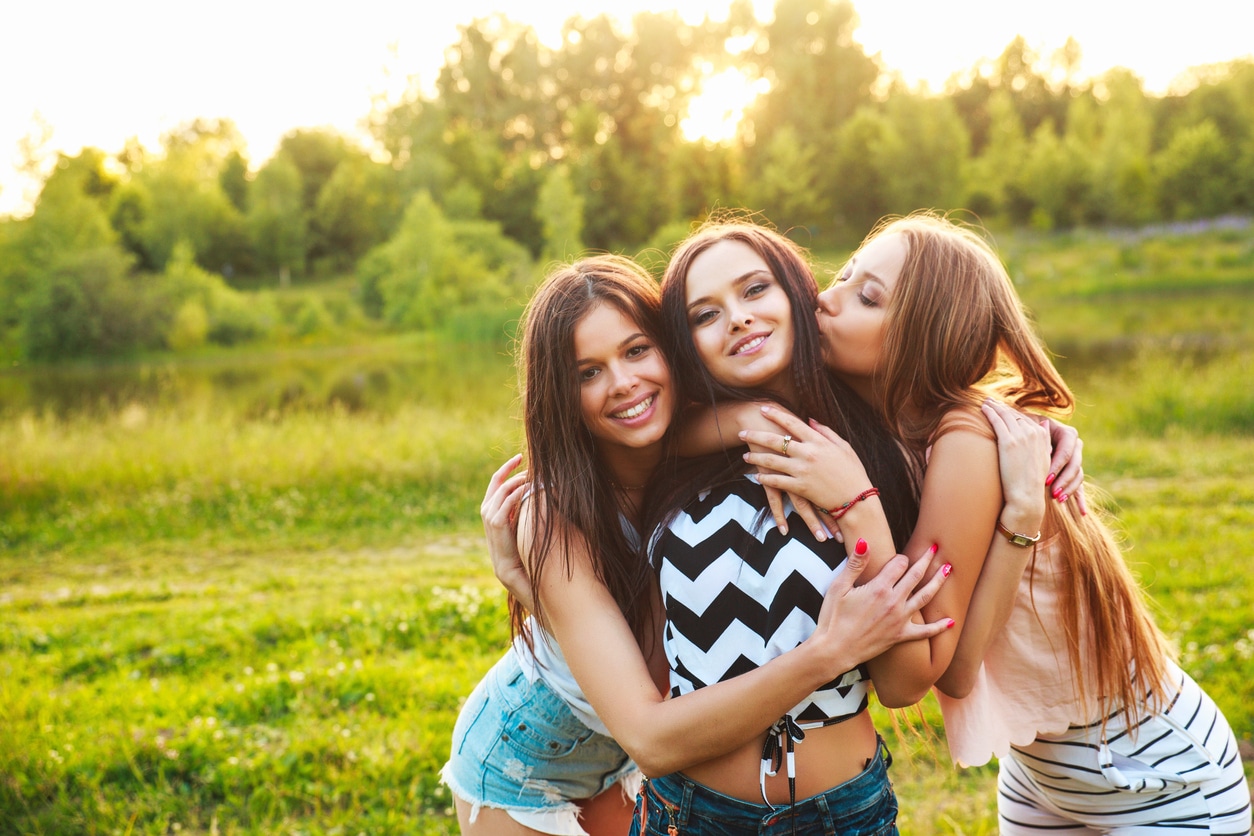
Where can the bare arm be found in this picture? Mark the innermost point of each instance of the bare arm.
(663, 735)
(960, 500)
(1024, 459)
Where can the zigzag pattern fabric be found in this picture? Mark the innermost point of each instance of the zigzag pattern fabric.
(738, 593)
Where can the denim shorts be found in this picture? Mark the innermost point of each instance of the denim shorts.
(518, 747)
(865, 805)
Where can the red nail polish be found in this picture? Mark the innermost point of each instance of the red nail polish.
(1050, 478)
(946, 569)
(949, 624)
(1062, 498)
(1057, 492)
(935, 548)
(860, 547)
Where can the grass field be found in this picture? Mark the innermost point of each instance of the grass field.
(258, 613)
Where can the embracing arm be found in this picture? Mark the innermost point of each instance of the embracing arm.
(665, 735)
(960, 499)
(1024, 458)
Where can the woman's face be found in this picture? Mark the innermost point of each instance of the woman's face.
(740, 317)
(853, 311)
(625, 391)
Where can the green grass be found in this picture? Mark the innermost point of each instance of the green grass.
(245, 593)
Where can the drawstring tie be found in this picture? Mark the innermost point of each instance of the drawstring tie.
(778, 748)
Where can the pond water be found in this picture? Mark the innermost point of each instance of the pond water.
(372, 378)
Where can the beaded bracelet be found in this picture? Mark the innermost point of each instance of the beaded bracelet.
(837, 513)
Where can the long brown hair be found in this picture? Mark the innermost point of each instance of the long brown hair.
(566, 475)
(955, 332)
(821, 396)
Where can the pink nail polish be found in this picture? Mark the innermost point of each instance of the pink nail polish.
(1062, 498)
(1057, 492)
(1050, 478)
(935, 548)
(949, 624)
(946, 569)
(860, 547)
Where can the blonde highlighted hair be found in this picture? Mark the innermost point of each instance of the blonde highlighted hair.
(956, 332)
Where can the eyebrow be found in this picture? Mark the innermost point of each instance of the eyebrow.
(739, 280)
(580, 361)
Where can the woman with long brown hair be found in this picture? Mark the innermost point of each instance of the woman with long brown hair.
(1059, 670)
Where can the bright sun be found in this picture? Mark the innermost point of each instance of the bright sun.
(715, 112)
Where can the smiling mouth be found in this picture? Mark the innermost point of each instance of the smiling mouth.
(749, 344)
(637, 410)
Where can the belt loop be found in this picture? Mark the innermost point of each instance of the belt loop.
(825, 814)
(685, 802)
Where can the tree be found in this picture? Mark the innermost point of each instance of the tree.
(427, 271)
(1194, 173)
(277, 219)
(356, 209)
(787, 188)
(560, 212)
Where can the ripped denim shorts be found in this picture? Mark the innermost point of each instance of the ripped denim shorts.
(518, 747)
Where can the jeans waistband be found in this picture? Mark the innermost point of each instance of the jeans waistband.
(684, 799)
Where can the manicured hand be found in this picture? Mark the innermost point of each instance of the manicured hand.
(499, 512)
(871, 618)
(1066, 471)
(1023, 459)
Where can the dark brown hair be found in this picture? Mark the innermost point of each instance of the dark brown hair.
(566, 476)
(821, 396)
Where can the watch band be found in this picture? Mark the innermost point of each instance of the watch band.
(1021, 540)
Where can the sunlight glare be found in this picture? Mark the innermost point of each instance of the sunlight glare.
(714, 114)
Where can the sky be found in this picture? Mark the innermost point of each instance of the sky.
(94, 74)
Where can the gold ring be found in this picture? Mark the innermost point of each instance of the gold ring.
(783, 450)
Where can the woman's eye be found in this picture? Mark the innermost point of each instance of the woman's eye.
(755, 289)
(638, 350)
(867, 300)
(703, 317)
(588, 374)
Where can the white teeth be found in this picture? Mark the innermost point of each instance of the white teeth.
(753, 343)
(638, 409)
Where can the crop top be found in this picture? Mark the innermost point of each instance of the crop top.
(738, 593)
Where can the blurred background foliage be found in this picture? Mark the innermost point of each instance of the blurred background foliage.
(526, 153)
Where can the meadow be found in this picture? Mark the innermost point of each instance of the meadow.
(245, 593)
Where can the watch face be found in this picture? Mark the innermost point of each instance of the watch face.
(1020, 540)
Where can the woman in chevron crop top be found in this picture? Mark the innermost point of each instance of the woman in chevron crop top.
(738, 302)
(1060, 671)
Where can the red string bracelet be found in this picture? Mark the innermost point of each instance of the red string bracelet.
(837, 513)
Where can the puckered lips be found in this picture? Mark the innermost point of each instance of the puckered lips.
(637, 411)
(749, 344)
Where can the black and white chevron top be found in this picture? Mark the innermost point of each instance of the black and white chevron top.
(738, 593)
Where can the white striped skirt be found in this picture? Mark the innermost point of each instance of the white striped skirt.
(1173, 772)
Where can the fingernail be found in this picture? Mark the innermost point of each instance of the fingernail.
(744, 456)
(946, 569)
(1062, 498)
(859, 548)
(783, 529)
(743, 433)
(819, 535)
(949, 624)
(765, 409)
(1057, 492)
(1048, 479)
(935, 548)
(1083, 513)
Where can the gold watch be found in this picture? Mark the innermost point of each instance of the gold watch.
(1021, 540)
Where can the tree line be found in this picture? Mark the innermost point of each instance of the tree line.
(525, 153)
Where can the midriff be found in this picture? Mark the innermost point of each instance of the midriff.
(828, 756)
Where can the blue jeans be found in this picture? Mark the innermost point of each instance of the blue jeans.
(865, 805)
